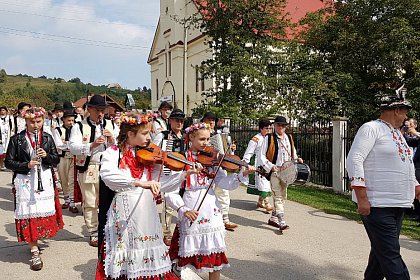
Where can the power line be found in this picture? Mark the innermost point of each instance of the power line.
(74, 19)
(83, 40)
(71, 42)
(63, 7)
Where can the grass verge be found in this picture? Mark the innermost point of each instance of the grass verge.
(337, 204)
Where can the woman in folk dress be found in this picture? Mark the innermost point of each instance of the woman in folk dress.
(199, 241)
(37, 213)
(133, 245)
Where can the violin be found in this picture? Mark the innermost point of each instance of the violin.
(153, 154)
(210, 156)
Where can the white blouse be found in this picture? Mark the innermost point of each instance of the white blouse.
(381, 161)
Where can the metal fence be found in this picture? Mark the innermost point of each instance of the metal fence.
(313, 143)
(349, 133)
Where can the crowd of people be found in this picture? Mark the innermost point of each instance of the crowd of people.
(116, 166)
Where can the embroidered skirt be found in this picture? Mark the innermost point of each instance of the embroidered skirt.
(33, 229)
(206, 263)
(100, 271)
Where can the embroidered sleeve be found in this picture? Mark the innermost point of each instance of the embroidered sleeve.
(113, 177)
(360, 149)
(76, 142)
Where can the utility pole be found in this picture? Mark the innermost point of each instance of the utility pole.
(184, 69)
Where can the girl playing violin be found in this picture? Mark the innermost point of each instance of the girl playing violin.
(133, 247)
(198, 240)
(31, 154)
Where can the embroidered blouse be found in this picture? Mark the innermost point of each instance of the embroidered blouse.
(381, 161)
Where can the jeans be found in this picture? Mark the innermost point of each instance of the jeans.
(383, 226)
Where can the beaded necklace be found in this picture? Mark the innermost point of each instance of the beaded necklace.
(201, 178)
(404, 150)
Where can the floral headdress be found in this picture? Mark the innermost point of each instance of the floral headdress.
(31, 113)
(131, 119)
(196, 126)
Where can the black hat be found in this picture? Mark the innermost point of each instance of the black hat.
(57, 107)
(97, 101)
(396, 101)
(23, 104)
(69, 113)
(67, 105)
(177, 114)
(165, 104)
(280, 120)
(209, 116)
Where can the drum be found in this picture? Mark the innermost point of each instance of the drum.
(293, 173)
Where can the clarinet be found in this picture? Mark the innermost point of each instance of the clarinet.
(100, 122)
(38, 158)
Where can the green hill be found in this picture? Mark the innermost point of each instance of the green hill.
(43, 91)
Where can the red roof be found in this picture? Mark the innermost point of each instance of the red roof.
(295, 10)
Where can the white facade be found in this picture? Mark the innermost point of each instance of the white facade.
(174, 77)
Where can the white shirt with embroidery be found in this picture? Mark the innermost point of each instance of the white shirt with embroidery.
(284, 153)
(381, 161)
(133, 232)
(206, 235)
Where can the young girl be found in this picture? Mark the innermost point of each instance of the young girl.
(198, 240)
(37, 213)
(133, 246)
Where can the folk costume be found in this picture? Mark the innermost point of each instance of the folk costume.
(133, 245)
(5, 134)
(380, 162)
(201, 244)
(262, 184)
(37, 213)
(82, 135)
(172, 142)
(160, 124)
(275, 151)
(61, 136)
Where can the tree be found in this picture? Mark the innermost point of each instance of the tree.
(244, 39)
(363, 50)
(3, 76)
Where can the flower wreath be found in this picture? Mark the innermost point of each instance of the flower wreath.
(128, 118)
(196, 126)
(32, 115)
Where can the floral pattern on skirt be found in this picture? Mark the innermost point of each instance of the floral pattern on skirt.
(33, 229)
(200, 262)
(100, 271)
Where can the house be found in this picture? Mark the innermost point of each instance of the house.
(109, 111)
(176, 52)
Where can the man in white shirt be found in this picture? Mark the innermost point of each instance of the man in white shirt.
(381, 171)
(88, 140)
(161, 122)
(278, 148)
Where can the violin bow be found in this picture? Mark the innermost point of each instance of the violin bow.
(210, 185)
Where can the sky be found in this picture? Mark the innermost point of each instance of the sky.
(99, 41)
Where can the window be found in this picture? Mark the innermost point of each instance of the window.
(197, 80)
(202, 81)
(166, 65)
(170, 63)
(157, 89)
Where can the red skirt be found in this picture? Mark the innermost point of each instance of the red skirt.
(34, 229)
(100, 271)
(214, 260)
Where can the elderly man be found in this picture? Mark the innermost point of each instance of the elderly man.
(382, 176)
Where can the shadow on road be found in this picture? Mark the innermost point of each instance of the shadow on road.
(88, 269)
(284, 266)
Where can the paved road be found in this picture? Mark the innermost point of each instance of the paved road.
(317, 246)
